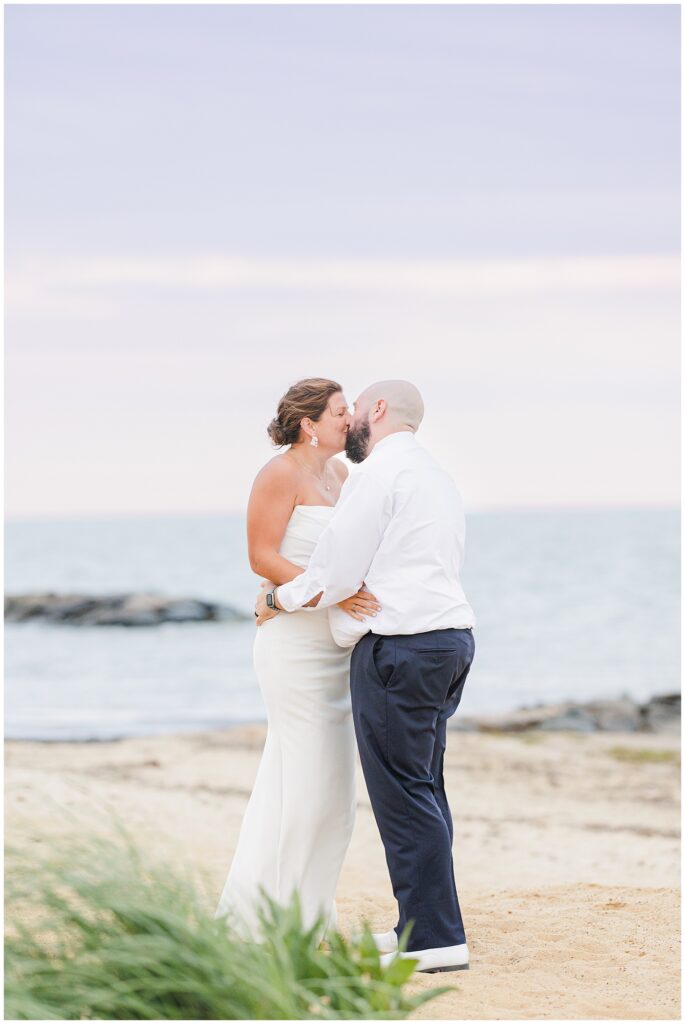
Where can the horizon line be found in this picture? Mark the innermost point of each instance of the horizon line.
(104, 516)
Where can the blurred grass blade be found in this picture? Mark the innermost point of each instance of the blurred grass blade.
(97, 932)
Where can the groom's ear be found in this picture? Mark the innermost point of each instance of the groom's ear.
(379, 410)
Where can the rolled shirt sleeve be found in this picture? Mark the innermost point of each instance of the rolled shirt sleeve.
(345, 550)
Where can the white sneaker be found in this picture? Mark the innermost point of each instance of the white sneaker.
(430, 961)
(386, 942)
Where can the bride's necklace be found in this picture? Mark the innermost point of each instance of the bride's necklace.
(322, 479)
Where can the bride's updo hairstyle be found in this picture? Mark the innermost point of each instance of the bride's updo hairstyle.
(307, 398)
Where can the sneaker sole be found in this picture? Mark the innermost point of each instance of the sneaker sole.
(443, 970)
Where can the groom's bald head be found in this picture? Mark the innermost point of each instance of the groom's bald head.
(403, 402)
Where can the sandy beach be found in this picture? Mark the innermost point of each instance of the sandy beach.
(566, 853)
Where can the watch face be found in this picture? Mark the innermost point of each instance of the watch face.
(270, 600)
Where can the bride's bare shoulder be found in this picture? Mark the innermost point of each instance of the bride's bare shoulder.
(278, 472)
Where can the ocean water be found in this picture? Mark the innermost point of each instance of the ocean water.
(569, 605)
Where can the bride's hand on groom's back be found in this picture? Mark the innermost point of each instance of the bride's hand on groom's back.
(360, 605)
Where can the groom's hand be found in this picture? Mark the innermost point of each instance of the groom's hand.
(262, 610)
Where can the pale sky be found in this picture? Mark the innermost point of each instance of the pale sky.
(204, 204)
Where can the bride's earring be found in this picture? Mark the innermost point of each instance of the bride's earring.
(314, 441)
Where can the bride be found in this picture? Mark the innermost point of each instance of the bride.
(298, 822)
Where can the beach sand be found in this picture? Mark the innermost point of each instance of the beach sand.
(566, 853)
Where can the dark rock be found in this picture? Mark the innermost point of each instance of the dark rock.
(189, 611)
(524, 719)
(573, 719)
(105, 617)
(226, 613)
(662, 712)
(72, 609)
(27, 606)
(462, 724)
(623, 715)
(138, 609)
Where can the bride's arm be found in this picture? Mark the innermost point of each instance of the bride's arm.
(271, 503)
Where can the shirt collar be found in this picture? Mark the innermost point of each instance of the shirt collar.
(400, 439)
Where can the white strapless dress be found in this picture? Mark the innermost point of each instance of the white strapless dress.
(298, 822)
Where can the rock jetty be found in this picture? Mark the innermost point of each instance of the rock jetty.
(623, 715)
(141, 609)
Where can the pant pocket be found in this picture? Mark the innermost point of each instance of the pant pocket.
(382, 660)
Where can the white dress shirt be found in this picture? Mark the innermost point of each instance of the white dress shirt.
(398, 527)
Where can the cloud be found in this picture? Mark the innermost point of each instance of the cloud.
(66, 285)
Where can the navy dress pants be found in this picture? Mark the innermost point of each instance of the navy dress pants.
(404, 688)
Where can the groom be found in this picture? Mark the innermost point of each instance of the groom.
(399, 528)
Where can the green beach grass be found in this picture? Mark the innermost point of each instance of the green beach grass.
(97, 932)
(643, 755)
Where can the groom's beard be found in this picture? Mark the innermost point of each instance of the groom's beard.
(357, 443)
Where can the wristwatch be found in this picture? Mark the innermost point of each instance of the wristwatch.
(270, 601)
